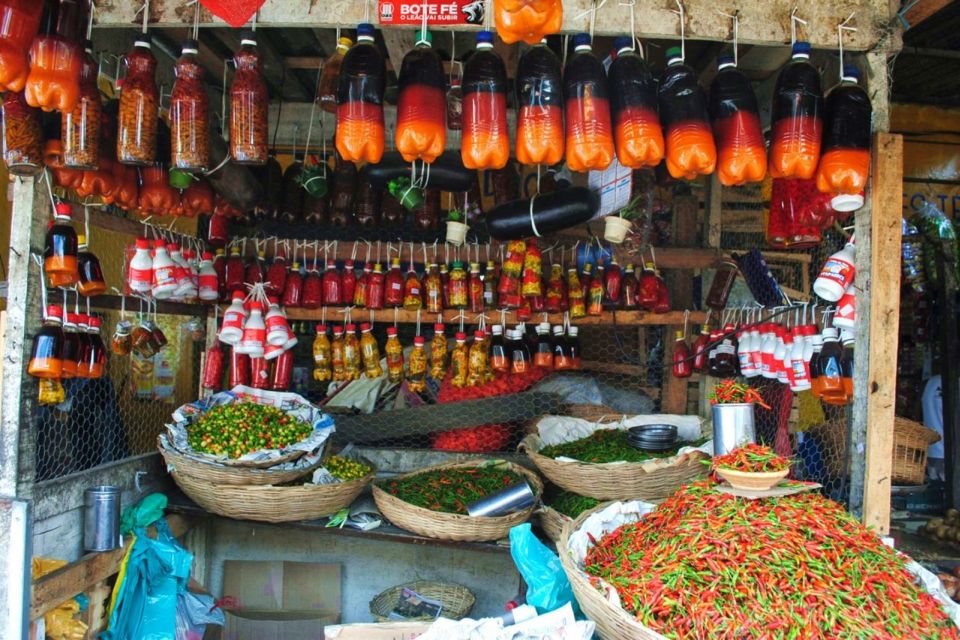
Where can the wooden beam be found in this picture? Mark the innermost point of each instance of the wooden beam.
(922, 10)
(673, 397)
(760, 22)
(55, 588)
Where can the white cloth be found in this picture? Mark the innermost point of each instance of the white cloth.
(933, 413)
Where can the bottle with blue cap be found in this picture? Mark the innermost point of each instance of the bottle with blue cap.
(741, 150)
(845, 164)
(633, 102)
(539, 107)
(797, 118)
(359, 134)
(589, 131)
(690, 148)
(421, 132)
(486, 139)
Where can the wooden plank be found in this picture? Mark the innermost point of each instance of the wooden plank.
(61, 585)
(714, 212)
(97, 609)
(110, 301)
(877, 390)
(673, 397)
(760, 22)
(922, 10)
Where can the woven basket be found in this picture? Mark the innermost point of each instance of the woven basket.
(592, 412)
(454, 526)
(271, 504)
(457, 600)
(619, 480)
(219, 474)
(552, 521)
(613, 623)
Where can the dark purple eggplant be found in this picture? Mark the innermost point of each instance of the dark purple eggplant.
(552, 212)
(447, 172)
(291, 207)
(344, 189)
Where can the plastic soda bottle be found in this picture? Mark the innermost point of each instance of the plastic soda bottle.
(845, 164)
(421, 105)
(539, 107)
(797, 118)
(589, 144)
(633, 102)
(691, 150)
(741, 150)
(330, 74)
(527, 20)
(360, 131)
(486, 140)
(21, 21)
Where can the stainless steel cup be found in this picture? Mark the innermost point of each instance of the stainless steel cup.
(732, 427)
(101, 518)
(514, 498)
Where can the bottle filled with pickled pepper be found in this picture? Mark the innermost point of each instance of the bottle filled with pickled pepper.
(690, 147)
(613, 282)
(80, 127)
(330, 76)
(421, 132)
(438, 353)
(359, 134)
(741, 150)
(445, 284)
(486, 139)
(527, 20)
(53, 83)
(22, 136)
(293, 287)
(845, 164)
(47, 353)
(21, 21)
(556, 290)
(61, 248)
(433, 289)
(630, 284)
(352, 358)
(249, 104)
(370, 351)
(490, 285)
(475, 288)
(338, 356)
(322, 362)
(648, 287)
(412, 291)
(633, 103)
(394, 354)
(139, 106)
(360, 290)
(478, 361)
(88, 268)
(375, 287)
(417, 367)
(458, 293)
(595, 296)
(589, 132)
(575, 298)
(189, 113)
(797, 118)
(460, 361)
(540, 133)
(393, 285)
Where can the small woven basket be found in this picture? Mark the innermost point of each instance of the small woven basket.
(272, 504)
(231, 475)
(457, 600)
(619, 480)
(552, 521)
(454, 526)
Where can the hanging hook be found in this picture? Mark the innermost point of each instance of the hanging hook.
(735, 16)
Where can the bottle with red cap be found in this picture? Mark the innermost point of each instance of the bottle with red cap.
(394, 353)
(61, 248)
(181, 272)
(370, 352)
(85, 346)
(140, 269)
(91, 281)
(97, 357)
(322, 371)
(239, 368)
(71, 346)
(47, 353)
(417, 367)
(438, 352)
(254, 332)
(352, 359)
(209, 290)
(164, 278)
(460, 361)
(336, 355)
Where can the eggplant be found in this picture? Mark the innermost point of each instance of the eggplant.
(447, 172)
(552, 212)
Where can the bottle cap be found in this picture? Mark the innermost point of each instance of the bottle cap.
(248, 37)
(173, 246)
(851, 73)
(190, 47)
(256, 306)
(219, 252)
(143, 243)
(458, 265)
(674, 56)
(484, 39)
(391, 332)
(95, 322)
(438, 327)
(143, 40)
(479, 334)
(321, 328)
(338, 331)
(365, 31)
(351, 328)
(54, 312)
(831, 333)
(574, 331)
(497, 330)
(544, 326)
(344, 44)
(461, 336)
(64, 209)
(425, 40)
(558, 330)
(237, 295)
(474, 267)
(418, 341)
(725, 61)
(620, 43)
(395, 262)
(81, 239)
(206, 255)
(378, 268)
(679, 335)
(801, 50)
(845, 202)
(83, 319)
(581, 42)
(273, 300)
(587, 268)
(72, 318)
(365, 327)
(159, 244)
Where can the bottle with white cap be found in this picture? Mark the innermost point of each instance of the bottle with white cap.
(276, 324)
(140, 269)
(209, 285)
(181, 272)
(767, 349)
(254, 332)
(837, 274)
(799, 366)
(164, 272)
(232, 328)
(846, 315)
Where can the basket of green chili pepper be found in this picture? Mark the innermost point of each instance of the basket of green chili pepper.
(706, 564)
(433, 501)
(603, 465)
(560, 508)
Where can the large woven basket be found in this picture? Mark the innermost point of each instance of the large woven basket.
(552, 521)
(593, 412)
(654, 480)
(454, 526)
(231, 475)
(456, 599)
(613, 623)
(271, 504)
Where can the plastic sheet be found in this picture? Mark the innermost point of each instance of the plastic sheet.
(547, 585)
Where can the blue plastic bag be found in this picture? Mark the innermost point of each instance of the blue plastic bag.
(156, 572)
(547, 585)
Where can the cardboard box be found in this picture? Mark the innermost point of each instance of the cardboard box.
(280, 600)
(377, 631)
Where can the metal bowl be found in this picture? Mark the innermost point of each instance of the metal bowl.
(653, 437)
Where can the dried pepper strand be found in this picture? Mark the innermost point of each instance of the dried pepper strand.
(753, 458)
(451, 490)
(705, 564)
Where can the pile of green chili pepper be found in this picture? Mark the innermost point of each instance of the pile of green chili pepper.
(571, 504)
(237, 429)
(603, 445)
(708, 565)
(345, 469)
(451, 490)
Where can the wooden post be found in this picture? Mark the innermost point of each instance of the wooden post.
(878, 297)
(673, 397)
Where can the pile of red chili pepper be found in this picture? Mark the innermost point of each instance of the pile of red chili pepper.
(752, 458)
(451, 490)
(732, 392)
(706, 564)
(504, 384)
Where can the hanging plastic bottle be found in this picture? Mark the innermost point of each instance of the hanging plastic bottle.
(682, 360)
(433, 290)
(80, 127)
(332, 285)
(455, 104)
(53, 83)
(837, 274)
(22, 137)
(46, 355)
(249, 103)
(327, 88)
(540, 133)
(96, 356)
(362, 81)
(589, 137)
(394, 353)
(690, 148)
(91, 281)
(417, 367)
(352, 358)
(845, 164)
(797, 118)
(438, 353)
(139, 106)
(575, 297)
(830, 368)
(393, 285)
(60, 249)
(164, 279)
(275, 279)
(633, 97)
(21, 21)
(71, 347)
(189, 113)
(256, 270)
(741, 150)
(846, 315)
(723, 280)
(486, 140)
(527, 20)
(312, 297)
(337, 361)
(630, 288)
(613, 282)
(375, 287)
(370, 352)
(421, 105)
(322, 371)
(458, 294)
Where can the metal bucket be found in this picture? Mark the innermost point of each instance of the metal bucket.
(101, 518)
(732, 427)
(514, 498)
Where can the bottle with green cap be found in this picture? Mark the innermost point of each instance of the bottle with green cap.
(690, 148)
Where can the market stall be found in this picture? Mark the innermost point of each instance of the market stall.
(364, 287)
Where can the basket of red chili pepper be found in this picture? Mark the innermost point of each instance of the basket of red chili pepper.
(433, 501)
(753, 467)
(706, 564)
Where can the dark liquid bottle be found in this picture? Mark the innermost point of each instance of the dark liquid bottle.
(561, 351)
(543, 356)
(421, 132)
(741, 150)
(797, 118)
(60, 249)
(539, 107)
(91, 273)
(722, 284)
(845, 164)
(46, 356)
(690, 148)
(499, 356)
(486, 139)
(589, 130)
(360, 130)
(831, 368)
(846, 365)
(633, 102)
(573, 346)
(815, 372)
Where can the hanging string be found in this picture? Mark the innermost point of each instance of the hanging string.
(635, 43)
(683, 30)
(93, 8)
(735, 16)
(196, 20)
(418, 322)
(840, 29)
(794, 21)
(43, 285)
(146, 16)
(423, 27)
